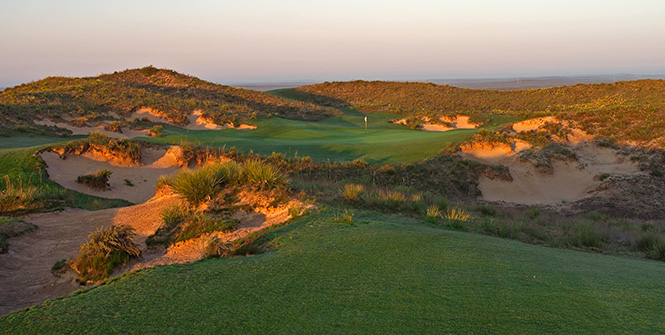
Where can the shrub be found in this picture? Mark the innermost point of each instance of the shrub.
(95, 180)
(106, 249)
(156, 131)
(352, 192)
(360, 163)
(263, 176)
(202, 184)
(588, 236)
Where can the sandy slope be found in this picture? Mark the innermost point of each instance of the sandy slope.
(568, 181)
(196, 121)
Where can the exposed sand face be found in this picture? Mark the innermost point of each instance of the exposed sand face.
(457, 122)
(532, 124)
(569, 180)
(155, 163)
(196, 121)
(493, 153)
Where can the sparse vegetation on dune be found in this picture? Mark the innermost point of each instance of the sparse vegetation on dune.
(173, 94)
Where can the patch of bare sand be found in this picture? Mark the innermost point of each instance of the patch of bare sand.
(493, 153)
(155, 163)
(457, 122)
(85, 130)
(532, 124)
(569, 180)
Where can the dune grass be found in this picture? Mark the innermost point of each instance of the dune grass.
(376, 274)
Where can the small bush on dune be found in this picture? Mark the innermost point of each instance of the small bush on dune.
(106, 249)
(95, 180)
(433, 213)
(200, 224)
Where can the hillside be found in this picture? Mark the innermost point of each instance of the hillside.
(172, 94)
(633, 111)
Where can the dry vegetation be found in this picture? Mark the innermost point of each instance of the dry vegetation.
(623, 111)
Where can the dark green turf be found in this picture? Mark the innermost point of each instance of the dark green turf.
(380, 275)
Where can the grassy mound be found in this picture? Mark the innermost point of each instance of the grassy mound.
(373, 274)
(173, 94)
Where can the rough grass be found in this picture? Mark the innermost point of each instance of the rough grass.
(106, 249)
(382, 274)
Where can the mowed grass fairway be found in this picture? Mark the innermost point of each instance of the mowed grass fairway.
(337, 139)
(380, 274)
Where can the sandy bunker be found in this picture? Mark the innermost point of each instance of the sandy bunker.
(135, 184)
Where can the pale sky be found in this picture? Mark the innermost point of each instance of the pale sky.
(271, 41)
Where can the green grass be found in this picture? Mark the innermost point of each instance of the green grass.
(337, 139)
(30, 141)
(378, 274)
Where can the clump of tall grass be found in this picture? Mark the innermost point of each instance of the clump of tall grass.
(106, 249)
(16, 195)
(263, 176)
(433, 213)
(457, 218)
(352, 192)
(96, 180)
(199, 185)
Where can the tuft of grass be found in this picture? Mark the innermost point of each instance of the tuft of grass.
(106, 249)
(200, 224)
(433, 213)
(217, 247)
(263, 176)
(96, 180)
(296, 210)
(203, 184)
(352, 192)
(457, 218)
(345, 217)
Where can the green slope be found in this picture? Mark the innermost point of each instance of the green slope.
(381, 274)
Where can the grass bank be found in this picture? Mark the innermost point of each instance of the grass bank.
(375, 273)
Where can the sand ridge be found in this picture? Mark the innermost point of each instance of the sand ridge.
(195, 120)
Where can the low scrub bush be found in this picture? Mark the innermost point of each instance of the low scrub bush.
(199, 185)
(107, 248)
(433, 213)
(345, 217)
(201, 224)
(96, 180)
(16, 195)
